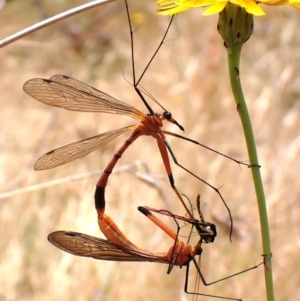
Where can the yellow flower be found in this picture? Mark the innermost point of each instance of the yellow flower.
(169, 7)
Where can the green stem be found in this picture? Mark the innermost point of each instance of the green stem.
(234, 62)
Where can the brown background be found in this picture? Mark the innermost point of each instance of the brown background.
(189, 77)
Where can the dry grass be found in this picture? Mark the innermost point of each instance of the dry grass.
(189, 77)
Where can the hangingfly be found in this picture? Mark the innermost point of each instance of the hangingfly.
(68, 93)
(118, 247)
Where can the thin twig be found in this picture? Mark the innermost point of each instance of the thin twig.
(77, 177)
(51, 20)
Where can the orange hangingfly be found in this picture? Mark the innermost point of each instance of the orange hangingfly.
(118, 247)
(68, 93)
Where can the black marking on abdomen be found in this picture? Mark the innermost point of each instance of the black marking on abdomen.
(99, 197)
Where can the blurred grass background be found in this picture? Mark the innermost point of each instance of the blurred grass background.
(189, 77)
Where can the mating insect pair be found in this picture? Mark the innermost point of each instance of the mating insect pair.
(68, 93)
(118, 247)
(71, 94)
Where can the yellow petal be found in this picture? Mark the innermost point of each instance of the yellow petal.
(214, 9)
(295, 3)
(172, 10)
(252, 8)
(274, 2)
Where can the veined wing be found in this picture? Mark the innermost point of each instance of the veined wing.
(168, 213)
(88, 246)
(77, 149)
(68, 93)
(206, 230)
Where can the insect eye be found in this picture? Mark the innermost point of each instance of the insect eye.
(198, 250)
(167, 115)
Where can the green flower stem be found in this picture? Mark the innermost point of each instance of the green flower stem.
(234, 52)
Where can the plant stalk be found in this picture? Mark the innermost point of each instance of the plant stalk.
(234, 52)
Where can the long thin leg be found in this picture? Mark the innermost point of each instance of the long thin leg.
(230, 276)
(206, 147)
(203, 181)
(133, 65)
(166, 161)
(200, 294)
(135, 81)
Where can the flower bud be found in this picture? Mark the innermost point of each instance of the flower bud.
(235, 25)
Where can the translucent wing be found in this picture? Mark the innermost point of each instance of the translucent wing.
(204, 210)
(206, 230)
(77, 149)
(174, 216)
(88, 246)
(68, 93)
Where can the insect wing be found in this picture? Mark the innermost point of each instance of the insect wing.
(88, 246)
(178, 217)
(204, 210)
(77, 149)
(207, 231)
(168, 213)
(68, 93)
